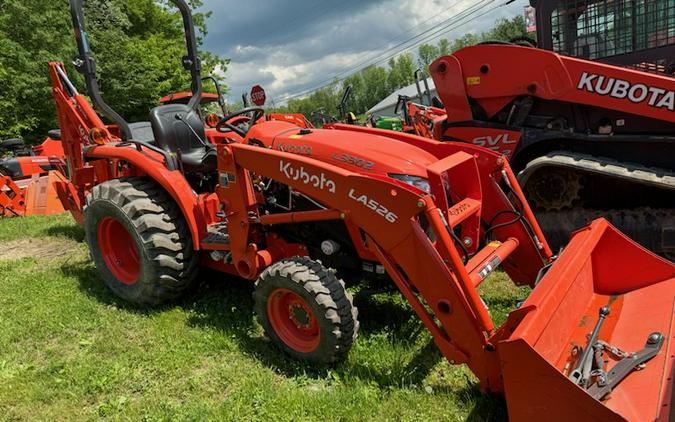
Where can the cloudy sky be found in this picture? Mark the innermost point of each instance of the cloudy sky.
(291, 46)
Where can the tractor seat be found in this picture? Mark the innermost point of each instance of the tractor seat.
(142, 131)
(177, 127)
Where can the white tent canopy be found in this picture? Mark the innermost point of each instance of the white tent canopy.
(386, 107)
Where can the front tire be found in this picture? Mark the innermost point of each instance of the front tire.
(139, 241)
(306, 311)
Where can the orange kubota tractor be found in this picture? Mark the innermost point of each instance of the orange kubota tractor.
(27, 176)
(264, 201)
(586, 139)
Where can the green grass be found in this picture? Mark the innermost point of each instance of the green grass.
(71, 350)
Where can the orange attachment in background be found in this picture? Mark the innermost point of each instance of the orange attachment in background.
(33, 196)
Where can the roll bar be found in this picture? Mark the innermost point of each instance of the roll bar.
(402, 104)
(342, 107)
(219, 92)
(427, 91)
(87, 64)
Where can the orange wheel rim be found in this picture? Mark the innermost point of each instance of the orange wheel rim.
(118, 250)
(293, 320)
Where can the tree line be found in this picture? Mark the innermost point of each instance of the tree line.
(374, 83)
(138, 46)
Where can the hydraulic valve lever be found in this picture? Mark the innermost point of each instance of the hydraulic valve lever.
(582, 372)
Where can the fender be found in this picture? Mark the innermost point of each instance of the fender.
(173, 182)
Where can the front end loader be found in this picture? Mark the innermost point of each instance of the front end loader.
(263, 200)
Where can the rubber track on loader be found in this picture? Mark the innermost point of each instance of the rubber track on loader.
(602, 166)
(653, 228)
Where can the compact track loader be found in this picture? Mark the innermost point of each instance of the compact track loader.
(586, 138)
(266, 200)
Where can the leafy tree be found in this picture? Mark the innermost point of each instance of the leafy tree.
(507, 30)
(464, 41)
(358, 98)
(138, 45)
(394, 80)
(443, 47)
(406, 69)
(427, 53)
(375, 85)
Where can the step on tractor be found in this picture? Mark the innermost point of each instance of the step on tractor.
(27, 176)
(280, 205)
(587, 120)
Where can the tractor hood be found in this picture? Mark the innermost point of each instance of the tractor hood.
(364, 153)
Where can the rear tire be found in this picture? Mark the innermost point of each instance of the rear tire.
(306, 311)
(139, 241)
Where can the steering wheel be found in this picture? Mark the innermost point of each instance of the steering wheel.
(225, 124)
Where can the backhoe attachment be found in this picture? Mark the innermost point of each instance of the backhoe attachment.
(32, 196)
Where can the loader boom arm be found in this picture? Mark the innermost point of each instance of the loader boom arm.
(414, 235)
(479, 73)
(397, 222)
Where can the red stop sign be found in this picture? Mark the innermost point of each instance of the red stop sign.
(258, 95)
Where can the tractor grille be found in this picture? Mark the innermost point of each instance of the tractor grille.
(641, 32)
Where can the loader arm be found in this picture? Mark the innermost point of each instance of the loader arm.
(411, 233)
(391, 217)
(479, 73)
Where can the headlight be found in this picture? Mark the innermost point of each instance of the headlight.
(419, 182)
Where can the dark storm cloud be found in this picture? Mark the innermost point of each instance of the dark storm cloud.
(290, 46)
(270, 23)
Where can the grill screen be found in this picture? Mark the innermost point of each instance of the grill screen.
(601, 29)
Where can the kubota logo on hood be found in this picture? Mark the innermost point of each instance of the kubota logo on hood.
(318, 181)
(621, 89)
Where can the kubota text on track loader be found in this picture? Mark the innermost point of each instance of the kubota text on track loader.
(585, 138)
(594, 341)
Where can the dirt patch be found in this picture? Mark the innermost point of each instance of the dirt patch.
(38, 248)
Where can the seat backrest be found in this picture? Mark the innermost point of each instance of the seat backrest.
(177, 126)
(142, 131)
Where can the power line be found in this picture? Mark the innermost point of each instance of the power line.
(444, 22)
(445, 28)
(427, 35)
(368, 62)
